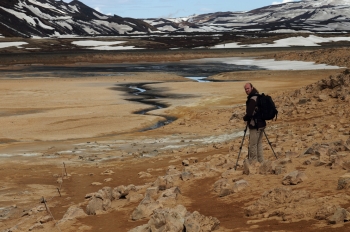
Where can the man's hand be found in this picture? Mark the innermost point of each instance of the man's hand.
(246, 118)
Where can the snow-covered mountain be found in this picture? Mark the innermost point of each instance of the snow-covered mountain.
(302, 16)
(27, 18)
(48, 18)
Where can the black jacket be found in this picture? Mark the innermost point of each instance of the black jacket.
(251, 115)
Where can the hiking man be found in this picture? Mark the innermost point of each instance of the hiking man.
(256, 125)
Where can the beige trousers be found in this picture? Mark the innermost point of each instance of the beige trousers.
(255, 145)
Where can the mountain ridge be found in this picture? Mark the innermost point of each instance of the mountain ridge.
(50, 18)
(305, 16)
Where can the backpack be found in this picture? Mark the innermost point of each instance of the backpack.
(266, 107)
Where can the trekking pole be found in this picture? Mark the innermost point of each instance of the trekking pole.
(270, 145)
(231, 117)
(240, 149)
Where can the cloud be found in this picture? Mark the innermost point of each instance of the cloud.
(284, 1)
(99, 10)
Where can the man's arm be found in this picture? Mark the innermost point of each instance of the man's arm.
(250, 109)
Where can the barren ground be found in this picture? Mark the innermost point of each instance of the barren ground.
(78, 128)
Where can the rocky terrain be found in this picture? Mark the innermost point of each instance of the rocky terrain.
(187, 175)
(336, 56)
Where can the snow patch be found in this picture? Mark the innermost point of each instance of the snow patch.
(311, 41)
(11, 44)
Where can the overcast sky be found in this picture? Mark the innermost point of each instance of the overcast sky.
(173, 8)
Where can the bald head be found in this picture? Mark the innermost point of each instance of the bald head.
(248, 87)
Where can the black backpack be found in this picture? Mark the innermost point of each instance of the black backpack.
(266, 107)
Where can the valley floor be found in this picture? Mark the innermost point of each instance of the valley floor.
(64, 138)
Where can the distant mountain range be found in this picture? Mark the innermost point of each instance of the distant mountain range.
(51, 18)
(303, 16)
(47, 18)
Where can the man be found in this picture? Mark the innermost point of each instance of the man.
(256, 125)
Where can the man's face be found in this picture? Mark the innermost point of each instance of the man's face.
(248, 88)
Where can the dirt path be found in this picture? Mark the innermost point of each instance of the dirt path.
(82, 127)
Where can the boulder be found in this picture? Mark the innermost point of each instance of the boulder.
(178, 219)
(147, 199)
(303, 100)
(144, 175)
(145, 208)
(307, 162)
(107, 172)
(344, 181)
(266, 167)
(294, 178)
(168, 219)
(169, 197)
(166, 182)
(250, 168)
(325, 211)
(185, 176)
(145, 211)
(225, 190)
(223, 187)
(322, 155)
(7, 212)
(96, 183)
(172, 171)
(198, 170)
(171, 192)
(340, 145)
(309, 151)
(47, 219)
(346, 165)
(134, 197)
(286, 160)
(72, 213)
(340, 216)
(240, 185)
(196, 222)
(186, 162)
(152, 192)
(36, 226)
(115, 194)
(122, 191)
(322, 97)
(142, 228)
(274, 200)
(193, 160)
(279, 169)
(95, 204)
(336, 161)
(106, 193)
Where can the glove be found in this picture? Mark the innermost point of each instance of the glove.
(246, 118)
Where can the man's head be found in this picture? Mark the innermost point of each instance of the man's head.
(248, 87)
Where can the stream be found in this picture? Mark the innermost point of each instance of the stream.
(148, 99)
(151, 99)
(197, 71)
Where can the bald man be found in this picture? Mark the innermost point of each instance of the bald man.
(256, 125)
